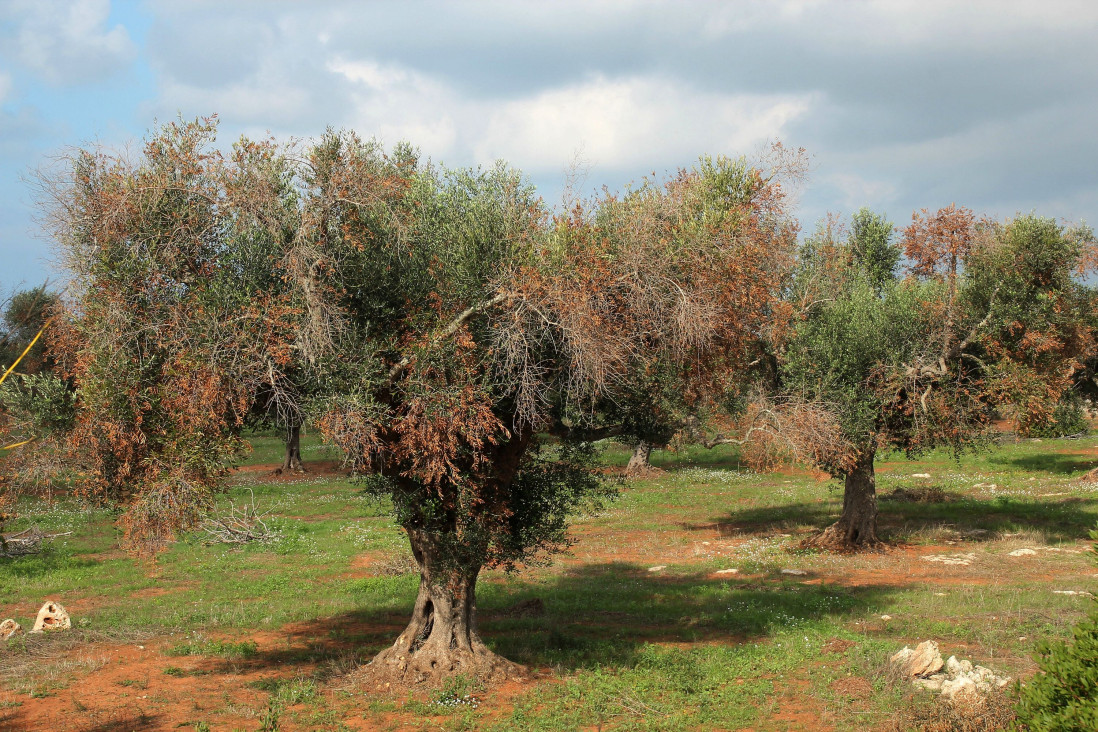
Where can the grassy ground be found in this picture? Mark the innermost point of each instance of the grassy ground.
(639, 630)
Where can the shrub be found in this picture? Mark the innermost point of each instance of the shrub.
(1064, 694)
(1069, 418)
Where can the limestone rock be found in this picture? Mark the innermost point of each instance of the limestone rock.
(51, 617)
(1022, 553)
(8, 628)
(924, 660)
(959, 686)
(727, 571)
(961, 683)
(795, 572)
(954, 667)
(934, 683)
(658, 568)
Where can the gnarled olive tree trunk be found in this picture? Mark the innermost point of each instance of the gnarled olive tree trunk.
(292, 460)
(639, 463)
(441, 639)
(857, 525)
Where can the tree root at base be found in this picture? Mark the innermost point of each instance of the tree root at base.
(839, 539)
(395, 669)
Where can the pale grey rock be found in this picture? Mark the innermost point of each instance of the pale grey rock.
(8, 628)
(957, 687)
(51, 617)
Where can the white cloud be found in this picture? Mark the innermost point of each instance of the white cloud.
(856, 191)
(396, 103)
(618, 123)
(640, 121)
(66, 42)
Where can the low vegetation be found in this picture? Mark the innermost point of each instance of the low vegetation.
(263, 636)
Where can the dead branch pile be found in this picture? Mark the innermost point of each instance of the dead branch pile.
(22, 543)
(240, 525)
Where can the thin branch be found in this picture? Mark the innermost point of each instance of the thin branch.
(449, 330)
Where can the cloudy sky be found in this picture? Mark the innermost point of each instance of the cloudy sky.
(901, 104)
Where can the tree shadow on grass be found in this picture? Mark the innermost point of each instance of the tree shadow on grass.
(594, 616)
(135, 721)
(49, 559)
(981, 520)
(1049, 462)
(605, 614)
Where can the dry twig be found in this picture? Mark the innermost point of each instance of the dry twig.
(241, 525)
(22, 543)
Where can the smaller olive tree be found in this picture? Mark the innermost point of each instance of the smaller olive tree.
(167, 334)
(989, 317)
(24, 314)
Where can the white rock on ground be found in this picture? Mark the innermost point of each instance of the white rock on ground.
(923, 660)
(51, 617)
(657, 568)
(962, 560)
(8, 628)
(955, 667)
(796, 572)
(934, 683)
(1023, 553)
(961, 680)
(727, 571)
(959, 685)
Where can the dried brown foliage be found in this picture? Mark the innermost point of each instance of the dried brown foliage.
(168, 331)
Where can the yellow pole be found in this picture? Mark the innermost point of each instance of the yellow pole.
(25, 351)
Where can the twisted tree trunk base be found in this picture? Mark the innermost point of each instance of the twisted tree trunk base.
(639, 465)
(856, 529)
(292, 460)
(441, 639)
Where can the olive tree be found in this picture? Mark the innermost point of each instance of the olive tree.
(453, 320)
(990, 316)
(170, 326)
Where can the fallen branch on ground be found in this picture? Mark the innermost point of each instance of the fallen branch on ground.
(22, 543)
(240, 526)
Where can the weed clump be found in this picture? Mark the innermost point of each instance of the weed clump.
(993, 711)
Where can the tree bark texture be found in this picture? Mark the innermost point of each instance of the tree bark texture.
(639, 463)
(857, 525)
(441, 640)
(292, 460)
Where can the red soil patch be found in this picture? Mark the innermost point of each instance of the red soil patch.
(796, 708)
(131, 691)
(853, 687)
(837, 645)
(271, 472)
(135, 688)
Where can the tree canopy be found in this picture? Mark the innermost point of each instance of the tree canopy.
(989, 318)
(434, 324)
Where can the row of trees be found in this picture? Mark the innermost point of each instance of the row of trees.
(462, 344)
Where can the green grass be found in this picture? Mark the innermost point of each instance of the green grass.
(618, 646)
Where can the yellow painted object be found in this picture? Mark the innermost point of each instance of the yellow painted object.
(25, 351)
(12, 368)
